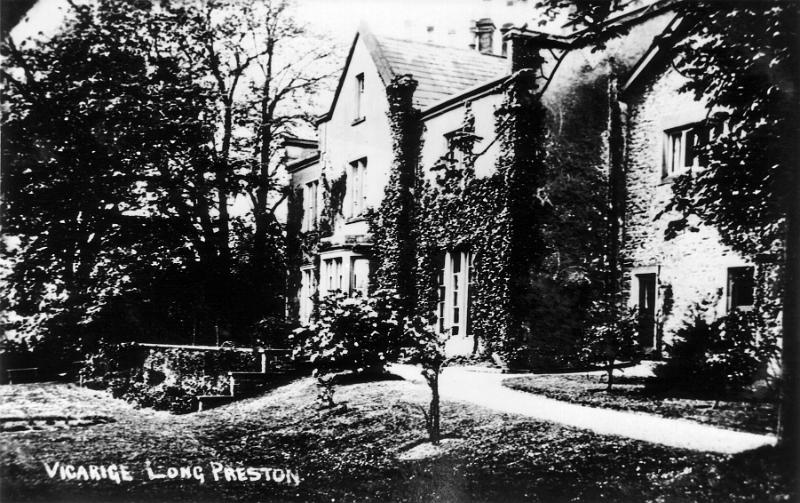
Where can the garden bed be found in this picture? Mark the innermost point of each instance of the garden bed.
(630, 393)
(356, 455)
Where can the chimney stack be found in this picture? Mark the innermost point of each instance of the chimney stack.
(504, 43)
(484, 35)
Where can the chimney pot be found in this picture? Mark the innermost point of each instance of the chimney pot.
(484, 35)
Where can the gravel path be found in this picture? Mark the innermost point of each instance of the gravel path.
(486, 389)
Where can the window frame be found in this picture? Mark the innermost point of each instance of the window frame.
(694, 135)
(454, 297)
(310, 205)
(359, 98)
(733, 292)
(357, 200)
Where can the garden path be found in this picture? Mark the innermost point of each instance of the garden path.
(486, 389)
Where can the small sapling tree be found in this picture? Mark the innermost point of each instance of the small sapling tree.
(427, 349)
(611, 336)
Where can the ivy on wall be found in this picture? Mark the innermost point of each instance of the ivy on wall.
(536, 227)
(392, 226)
(332, 201)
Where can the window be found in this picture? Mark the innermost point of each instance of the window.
(333, 274)
(308, 287)
(359, 97)
(355, 189)
(454, 284)
(359, 275)
(683, 147)
(741, 288)
(310, 191)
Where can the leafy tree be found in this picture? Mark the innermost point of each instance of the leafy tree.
(741, 58)
(426, 348)
(86, 119)
(611, 336)
(135, 140)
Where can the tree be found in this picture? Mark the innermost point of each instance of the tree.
(611, 336)
(741, 58)
(427, 349)
(262, 71)
(85, 120)
(182, 133)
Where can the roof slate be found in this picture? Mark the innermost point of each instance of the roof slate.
(440, 71)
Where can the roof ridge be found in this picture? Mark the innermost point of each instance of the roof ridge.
(439, 46)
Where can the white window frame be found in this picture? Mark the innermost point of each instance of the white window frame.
(359, 97)
(676, 141)
(454, 294)
(355, 187)
(310, 195)
(359, 275)
(332, 269)
(308, 288)
(729, 289)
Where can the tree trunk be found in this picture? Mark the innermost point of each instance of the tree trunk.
(434, 432)
(610, 370)
(788, 417)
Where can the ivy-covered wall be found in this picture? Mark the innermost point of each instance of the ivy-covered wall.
(539, 227)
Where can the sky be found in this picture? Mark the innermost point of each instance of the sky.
(450, 19)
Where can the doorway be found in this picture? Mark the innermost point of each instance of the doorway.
(647, 310)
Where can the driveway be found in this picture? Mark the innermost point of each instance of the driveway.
(486, 389)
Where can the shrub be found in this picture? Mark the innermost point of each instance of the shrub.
(718, 357)
(358, 334)
(350, 333)
(610, 336)
(163, 379)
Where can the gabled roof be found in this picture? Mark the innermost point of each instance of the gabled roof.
(656, 56)
(440, 71)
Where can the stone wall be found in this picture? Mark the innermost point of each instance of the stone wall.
(692, 266)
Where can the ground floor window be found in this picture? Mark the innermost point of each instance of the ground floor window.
(741, 288)
(332, 272)
(359, 275)
(453, 278)
(308, 287)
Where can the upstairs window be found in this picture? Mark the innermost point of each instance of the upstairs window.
(355, 187)
(683, 147)
(359, 98)
(741, 288)
(310, 192)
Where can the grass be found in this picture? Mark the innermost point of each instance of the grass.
(351, 454)
(629, 393)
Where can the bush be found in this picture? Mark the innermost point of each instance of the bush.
(350, 333)
(610, 336)
(717, 358)
(163, 379)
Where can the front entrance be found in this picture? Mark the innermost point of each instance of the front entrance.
(647, 310)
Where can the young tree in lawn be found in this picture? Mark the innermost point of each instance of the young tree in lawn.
(611, 336)
(426, 348)
(741, 57)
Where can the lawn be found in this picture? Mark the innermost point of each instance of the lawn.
(629, 393)
(351, 454)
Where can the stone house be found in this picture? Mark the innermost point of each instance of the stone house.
(543, 117)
